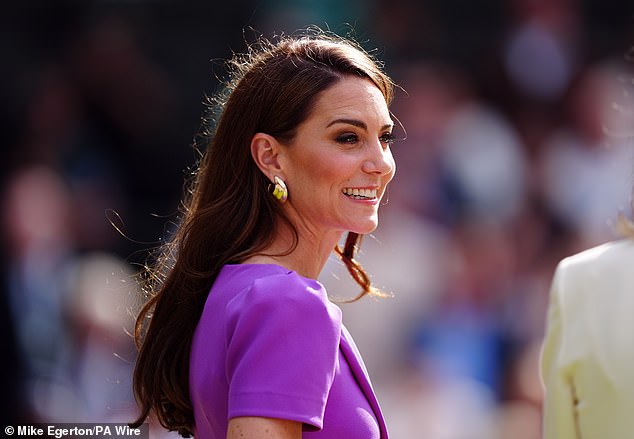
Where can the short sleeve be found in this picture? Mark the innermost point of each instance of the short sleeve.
(282, 338)
(559, 411)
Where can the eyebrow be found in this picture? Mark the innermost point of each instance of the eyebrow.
(357, 123)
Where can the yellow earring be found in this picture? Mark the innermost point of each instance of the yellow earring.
(280, 191)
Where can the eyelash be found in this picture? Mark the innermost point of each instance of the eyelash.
(387, 138)
(347, 138)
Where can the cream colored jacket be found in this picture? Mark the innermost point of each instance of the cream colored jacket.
(587, 362)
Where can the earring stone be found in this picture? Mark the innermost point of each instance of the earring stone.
(280, 191)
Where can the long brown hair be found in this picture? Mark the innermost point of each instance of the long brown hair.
(228, 213)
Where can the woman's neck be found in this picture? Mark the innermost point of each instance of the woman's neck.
(307, 258)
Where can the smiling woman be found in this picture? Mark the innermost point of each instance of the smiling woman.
(238, 338)
(337, 165)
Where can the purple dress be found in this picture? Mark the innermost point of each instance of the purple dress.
(269, 343)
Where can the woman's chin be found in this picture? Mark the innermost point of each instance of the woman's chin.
(366, 227)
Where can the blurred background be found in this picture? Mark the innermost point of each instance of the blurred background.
(518, 153)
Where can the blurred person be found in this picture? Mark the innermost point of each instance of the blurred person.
(435, 93)
(463, 339)
(238, 338)
(587, 354)
(583, 172)
(36, 218)
(542, 48)
(485, 164)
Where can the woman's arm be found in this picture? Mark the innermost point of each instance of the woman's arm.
(263, 428)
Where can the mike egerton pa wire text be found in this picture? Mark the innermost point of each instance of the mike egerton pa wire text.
(86, 431)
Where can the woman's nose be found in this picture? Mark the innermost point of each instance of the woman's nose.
(380, 161)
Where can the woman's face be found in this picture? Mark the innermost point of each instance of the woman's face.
(339, 163)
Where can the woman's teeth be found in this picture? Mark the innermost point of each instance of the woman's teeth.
(360, 194)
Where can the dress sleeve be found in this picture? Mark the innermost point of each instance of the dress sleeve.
(559, 409)
(282, 340)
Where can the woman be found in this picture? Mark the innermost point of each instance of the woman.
(588, 355)
(238, 338)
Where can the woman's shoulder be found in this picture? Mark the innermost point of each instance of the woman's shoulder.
(269, 286)
(604, 267)
(276, 301)
(263, 279)
(610, 254)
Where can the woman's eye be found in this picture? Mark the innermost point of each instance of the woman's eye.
(387, 138)
(347, 138)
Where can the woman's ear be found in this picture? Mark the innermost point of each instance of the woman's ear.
(265, 150)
